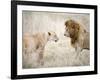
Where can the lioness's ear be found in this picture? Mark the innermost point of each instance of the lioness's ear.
(49, 33)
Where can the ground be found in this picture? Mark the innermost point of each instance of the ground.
(59, 54)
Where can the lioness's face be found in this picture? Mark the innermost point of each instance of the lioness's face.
(53, 36)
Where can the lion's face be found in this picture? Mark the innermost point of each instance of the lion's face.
(66, 33)
(72, 29)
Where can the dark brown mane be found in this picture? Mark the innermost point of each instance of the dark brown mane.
(73, 28)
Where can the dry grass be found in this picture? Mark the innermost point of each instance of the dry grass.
(58, 54)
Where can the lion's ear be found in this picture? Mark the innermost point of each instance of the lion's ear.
(49, 33)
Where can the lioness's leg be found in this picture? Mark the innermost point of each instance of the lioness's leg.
(40, 52)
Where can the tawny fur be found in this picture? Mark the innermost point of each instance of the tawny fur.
(36, 43)
(79, 36)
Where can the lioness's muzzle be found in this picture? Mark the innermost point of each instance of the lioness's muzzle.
(56, 40)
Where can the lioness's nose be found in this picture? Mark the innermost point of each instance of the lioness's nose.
(64, 34)
(56, 40)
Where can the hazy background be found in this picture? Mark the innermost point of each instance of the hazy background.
(60, 53)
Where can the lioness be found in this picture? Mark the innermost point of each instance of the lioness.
(36, 43)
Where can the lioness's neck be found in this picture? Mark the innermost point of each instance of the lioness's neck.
(46, 37)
